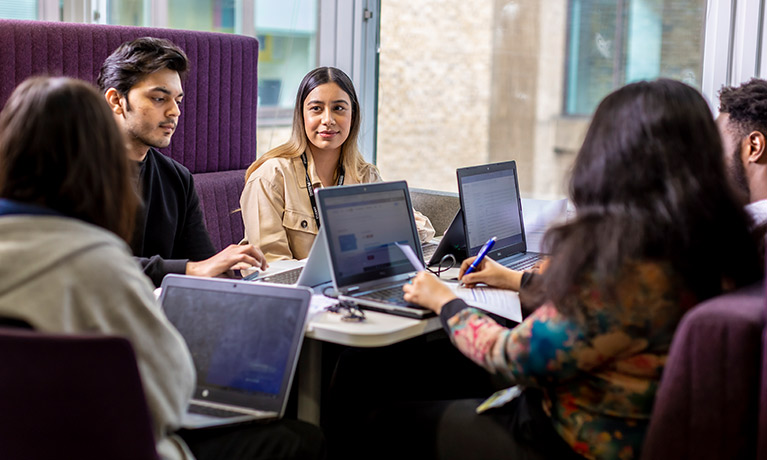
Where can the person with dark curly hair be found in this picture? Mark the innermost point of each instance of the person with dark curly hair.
(742, 123)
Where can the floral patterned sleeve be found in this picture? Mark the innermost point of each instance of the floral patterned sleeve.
(545, 347)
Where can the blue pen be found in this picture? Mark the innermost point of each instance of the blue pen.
(482, 253)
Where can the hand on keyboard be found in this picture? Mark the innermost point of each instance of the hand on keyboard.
(428, 291)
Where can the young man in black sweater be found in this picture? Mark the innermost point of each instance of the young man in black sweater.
(141, 81)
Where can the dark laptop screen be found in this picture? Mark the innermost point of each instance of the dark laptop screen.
(363, 225)
(490, 203)
(237, 340)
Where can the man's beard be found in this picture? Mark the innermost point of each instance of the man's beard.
(149, 142)
(738, 175)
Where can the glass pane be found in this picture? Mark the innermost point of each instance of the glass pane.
(614, 43)
(287, 34)
(481, 82)
(127, 13)
(19, 9)
(592, 71)
(206, 15)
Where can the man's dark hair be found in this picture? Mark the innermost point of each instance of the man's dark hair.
(134, 60)
(746, 105)
(60, 148)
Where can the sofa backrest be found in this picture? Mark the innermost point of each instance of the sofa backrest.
(761, 446)
(217, 128)
(707, 405)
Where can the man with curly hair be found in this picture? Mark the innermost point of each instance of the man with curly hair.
(743, 125)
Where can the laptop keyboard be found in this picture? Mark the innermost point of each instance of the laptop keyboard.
(213, 411)
(286, 277)
(527, 262)
(428, 250)
(393, 295)
(388, 295)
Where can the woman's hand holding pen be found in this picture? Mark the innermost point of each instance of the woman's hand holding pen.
(427, 290)
(491, 273)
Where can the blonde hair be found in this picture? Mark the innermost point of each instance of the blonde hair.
(355, 167)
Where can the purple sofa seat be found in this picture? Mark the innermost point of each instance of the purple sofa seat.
(707, 406)
(217, 127)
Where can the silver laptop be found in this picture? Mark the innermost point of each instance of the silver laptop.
(245, 339)
(363, 224)
(310, 272)
(492, 207)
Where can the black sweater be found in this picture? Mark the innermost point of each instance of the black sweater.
(169, 226)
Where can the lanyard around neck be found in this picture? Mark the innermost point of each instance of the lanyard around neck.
(310, 188)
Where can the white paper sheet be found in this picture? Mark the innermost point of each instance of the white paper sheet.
(319, 304)
(410, 254)
(501, 302)
(539, 215)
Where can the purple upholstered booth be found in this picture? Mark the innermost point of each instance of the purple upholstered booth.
(708, 403)
(216, 135)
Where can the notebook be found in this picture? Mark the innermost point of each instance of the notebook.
(245, 339)
(491, 206)
(310, 272)
(363, 224)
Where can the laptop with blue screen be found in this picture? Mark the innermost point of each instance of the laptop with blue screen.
(245, 339)
(363, 224)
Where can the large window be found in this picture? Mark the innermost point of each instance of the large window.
(611, 43)
(460, 83)
(466, 83)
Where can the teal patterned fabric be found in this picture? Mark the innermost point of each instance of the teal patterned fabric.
(599, 372)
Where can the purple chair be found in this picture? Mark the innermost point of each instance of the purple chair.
(707, 406)
(216, 135)
(68, 396)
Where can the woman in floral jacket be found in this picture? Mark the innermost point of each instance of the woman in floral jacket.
(657, 230)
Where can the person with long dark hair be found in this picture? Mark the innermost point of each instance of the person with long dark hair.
(278, 204)
(657, 230)
(67, 209)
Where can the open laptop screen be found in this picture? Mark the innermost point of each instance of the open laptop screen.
(241, 342)
(491, 206)
(363, 223)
